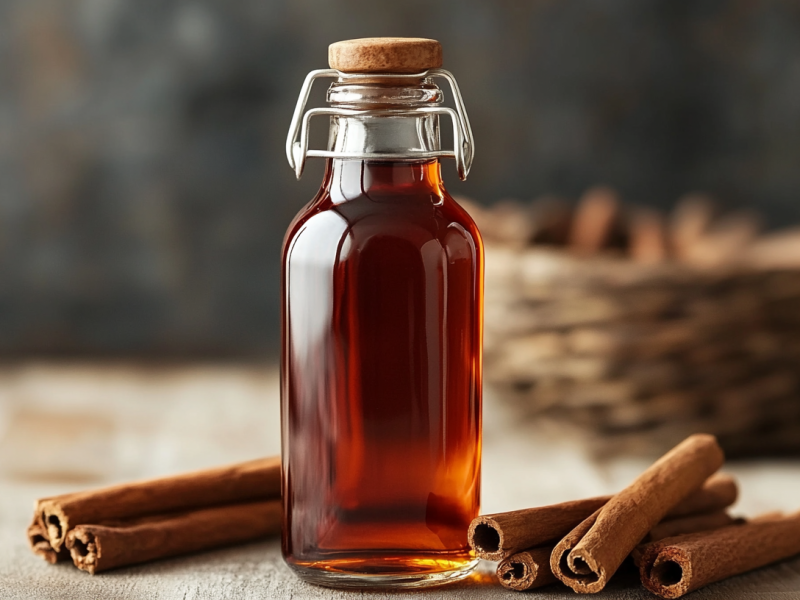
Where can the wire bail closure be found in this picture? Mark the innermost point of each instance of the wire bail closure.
(297, 149)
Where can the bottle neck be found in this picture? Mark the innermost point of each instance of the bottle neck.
(379, 120)
(403, 136)
(380, 125)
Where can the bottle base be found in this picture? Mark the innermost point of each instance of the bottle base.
(353, 574)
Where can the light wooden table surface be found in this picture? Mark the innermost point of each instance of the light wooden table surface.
(65, 427)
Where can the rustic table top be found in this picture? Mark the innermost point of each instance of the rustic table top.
(63, 427)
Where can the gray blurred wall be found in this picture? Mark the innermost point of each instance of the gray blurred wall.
(143, 187)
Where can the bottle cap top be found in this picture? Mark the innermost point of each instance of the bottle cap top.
(385, 55)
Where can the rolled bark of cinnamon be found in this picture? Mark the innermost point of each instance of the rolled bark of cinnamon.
(530, 568)
(647, 236)
(254, 480)
(676, 566)
(718, 492)
(593, 220)
(690, 524)
(527, 570)
(682, 525)
(40, 545)
(592, 552)
(96, 548)
(498, 536)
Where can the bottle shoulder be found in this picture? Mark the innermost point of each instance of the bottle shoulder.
(417, 220)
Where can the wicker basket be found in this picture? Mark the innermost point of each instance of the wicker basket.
(637, 356)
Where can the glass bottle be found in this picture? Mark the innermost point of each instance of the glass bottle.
(381, 342)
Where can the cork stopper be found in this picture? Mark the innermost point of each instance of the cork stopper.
(385, 55)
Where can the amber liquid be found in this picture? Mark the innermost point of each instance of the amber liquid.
(381, 376)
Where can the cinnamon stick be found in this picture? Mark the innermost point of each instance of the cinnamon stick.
(719, 491)
(648, 242)
(676, 566)
(96, 548)
(253, 480)
(690, 524)
(682, 525)
(498, 536)
(779, 250)
(40, 545)
(551, 218)
(592, 552)
(527, 570)
(594, 219)
(690, 221)
(530, 568)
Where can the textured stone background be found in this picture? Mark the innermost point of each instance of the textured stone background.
(143, 186)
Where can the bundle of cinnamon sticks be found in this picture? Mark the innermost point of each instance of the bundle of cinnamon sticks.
(696, 232)
(132, 523)
(671, 521)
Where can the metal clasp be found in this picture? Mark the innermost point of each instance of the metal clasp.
(297, 141)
